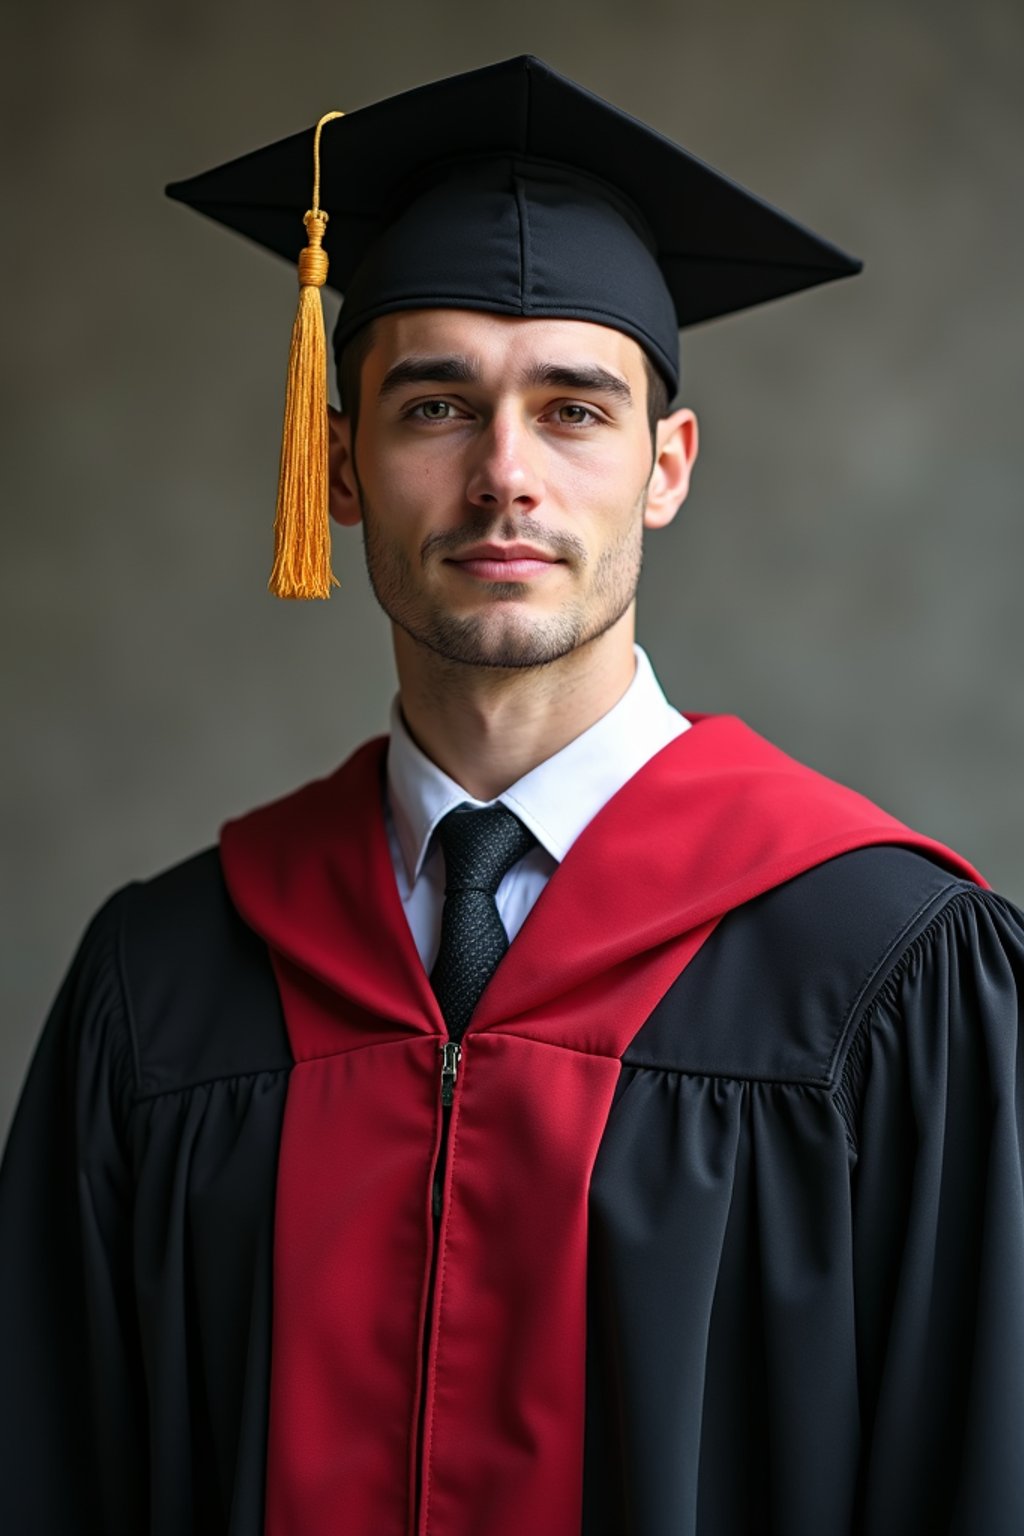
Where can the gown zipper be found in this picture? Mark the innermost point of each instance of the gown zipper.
(451, 1055)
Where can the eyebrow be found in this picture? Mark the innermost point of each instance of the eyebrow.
(590, 378)
(455, 368)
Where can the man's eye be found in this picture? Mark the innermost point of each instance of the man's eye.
(576, 415)
(432, 410)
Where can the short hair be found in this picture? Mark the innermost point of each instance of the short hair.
(357, 348)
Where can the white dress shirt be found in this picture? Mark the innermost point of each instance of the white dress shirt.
(555, 801)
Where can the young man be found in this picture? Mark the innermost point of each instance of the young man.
(569, 1116)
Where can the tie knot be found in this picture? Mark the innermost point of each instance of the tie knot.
(480, 846)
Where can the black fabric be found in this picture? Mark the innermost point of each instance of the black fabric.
(807, 1254)
(806, 1282)
(136, 1221)
(513, 189)
(480, 846)
(515, 237)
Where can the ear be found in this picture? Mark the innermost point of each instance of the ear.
(343, 502)
(674, 454)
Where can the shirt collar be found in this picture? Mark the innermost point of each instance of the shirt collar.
(558, 797)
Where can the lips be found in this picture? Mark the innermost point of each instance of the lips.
(505, 552)
(504, 562)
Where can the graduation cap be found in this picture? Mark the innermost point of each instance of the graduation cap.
(509, 189)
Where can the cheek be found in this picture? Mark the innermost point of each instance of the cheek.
(609, 470)
(407, 480)
(604, 489)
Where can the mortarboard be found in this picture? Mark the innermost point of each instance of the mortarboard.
(509, 189)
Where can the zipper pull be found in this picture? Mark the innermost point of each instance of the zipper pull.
(450, 1055)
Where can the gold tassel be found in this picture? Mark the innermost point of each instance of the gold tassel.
(302, 539)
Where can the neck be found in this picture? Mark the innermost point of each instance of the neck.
(485, 727)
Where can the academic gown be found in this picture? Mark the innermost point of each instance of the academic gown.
(732, 1228)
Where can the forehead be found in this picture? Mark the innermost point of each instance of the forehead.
(499, 343)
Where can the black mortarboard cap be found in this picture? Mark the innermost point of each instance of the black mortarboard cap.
(515, 190)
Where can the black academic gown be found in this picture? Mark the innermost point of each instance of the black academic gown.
(805, 1241)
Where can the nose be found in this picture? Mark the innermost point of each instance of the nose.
(505, 474)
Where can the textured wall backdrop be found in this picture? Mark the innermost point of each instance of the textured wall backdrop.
(846, 575)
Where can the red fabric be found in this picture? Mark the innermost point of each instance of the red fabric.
(716, 818)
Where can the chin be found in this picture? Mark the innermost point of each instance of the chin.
(507, 638)
(509, 641)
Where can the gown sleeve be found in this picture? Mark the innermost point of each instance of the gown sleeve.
(933, 1095)
(72, 1404)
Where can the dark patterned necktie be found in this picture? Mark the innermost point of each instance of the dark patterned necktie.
(480, 847)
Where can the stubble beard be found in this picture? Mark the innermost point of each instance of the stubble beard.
(512, 638)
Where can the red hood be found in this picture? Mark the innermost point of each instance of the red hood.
(711, 821)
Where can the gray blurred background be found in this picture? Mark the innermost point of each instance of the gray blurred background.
(845, 575)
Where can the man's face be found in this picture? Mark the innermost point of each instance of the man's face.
(501, 472)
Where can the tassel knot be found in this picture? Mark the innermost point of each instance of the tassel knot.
(313, 263)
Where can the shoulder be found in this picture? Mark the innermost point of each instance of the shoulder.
(196, 984)
(941, 1029)
(179, 924)
(777, 988)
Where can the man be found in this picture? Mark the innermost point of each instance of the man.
(569, 1116)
